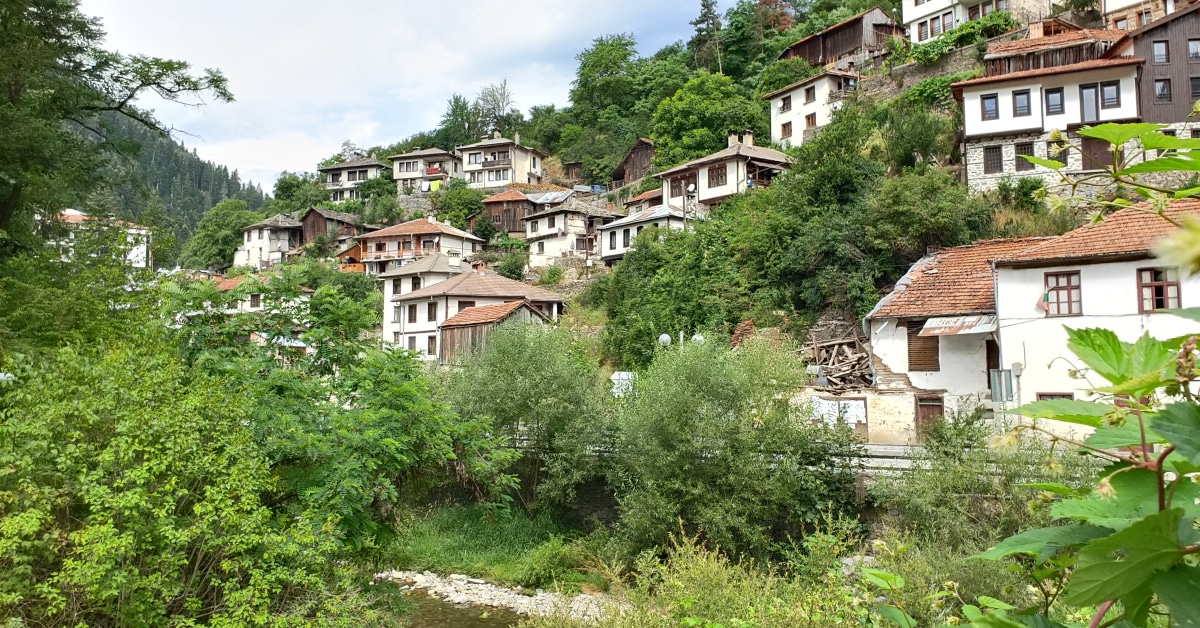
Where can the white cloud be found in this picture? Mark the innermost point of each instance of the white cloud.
(308, 75)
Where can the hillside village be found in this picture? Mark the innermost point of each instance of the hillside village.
(834, 314)
(954, 331)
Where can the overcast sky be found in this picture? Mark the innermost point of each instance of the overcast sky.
(308, 75)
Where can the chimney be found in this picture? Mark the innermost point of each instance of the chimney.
(496, 134)
(733, 138)
(432, 219)
(748, 137)
(447, 222)
(517, 137)
(415, 149)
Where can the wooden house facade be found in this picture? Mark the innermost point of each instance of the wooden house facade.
(471, 327)
(506, 210)
(1170, 77)
(848, 45)
(635, 165)
(335, 224)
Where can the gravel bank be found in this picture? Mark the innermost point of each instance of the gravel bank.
(460, 589)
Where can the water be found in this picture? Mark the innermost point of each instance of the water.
(430, 612)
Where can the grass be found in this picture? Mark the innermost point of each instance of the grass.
(511, 550)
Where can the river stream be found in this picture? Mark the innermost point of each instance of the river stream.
(430, 612)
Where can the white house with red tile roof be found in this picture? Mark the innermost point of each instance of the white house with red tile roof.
(741, 166)
(617, 237)
(137, 237)
(393, 246)
(566, 230)
(807, 105)
(1017, 113)
(1099, 275)
(425, 170)
(932, 341)
(421, 312)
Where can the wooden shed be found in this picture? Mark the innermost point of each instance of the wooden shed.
(861, 37)
(635, 164)
(470, 328)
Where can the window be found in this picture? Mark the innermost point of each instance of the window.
(928, 411)
(810, 94)
(542, 248)
(412, 313)
(935, 26)
(1194, 50)
(1054, 101)
(431, 345)
(1195, 80)
(255, 300)
(1169, 133)
(407, 245)
(397, 286)
(396, 313)
(462, 305)
(1159, 289)
(1052, 396)
(989, 105)
(581, 243)
(428, 243)
(1121, 24)
(973, 13)
(1160, 52)
(533, 226)
(1021, 105)
(993, 160)
(412, 343)
(1110, 95)
(717, 176)
(612, 240)
(1024, 148)
(431, 312)
(474, 158)
(947, 20)
(810, 121)
(785, 130)
(922, 350)
(1144, 18)
(550, 222)
(1062, 296)
(1089, 102)
(625, 238)
(1162, 90)
(923, 31)
(415, 283)
(396, 337)
(677, 184)
(785, 103)
(919, 2)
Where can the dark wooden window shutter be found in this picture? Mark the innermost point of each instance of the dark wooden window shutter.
(922, 350)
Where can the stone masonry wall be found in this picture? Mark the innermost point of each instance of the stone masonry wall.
(892, 83)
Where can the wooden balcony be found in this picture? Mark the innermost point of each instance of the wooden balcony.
(496, 163)
(353, 268)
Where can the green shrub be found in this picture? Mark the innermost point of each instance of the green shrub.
(935, 91)
(552, 275)
(512, 266)
(550, 562)
(709, 440)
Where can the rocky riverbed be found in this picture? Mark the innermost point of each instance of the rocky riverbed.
(460, 589)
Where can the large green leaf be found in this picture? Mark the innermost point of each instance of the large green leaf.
(896, 616)
(1117, 565)
(1118, 133)
(1136, 496)
(1087, 413)
(1168, 163)
(1127, 435)
(1192, 313)
(1118, 361)
(1159, 141)
(996, 620)
(1044, 542)
(1179, 590)
(1180, 424)
(1045, 163)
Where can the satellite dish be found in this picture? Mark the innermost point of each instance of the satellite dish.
(691, 188)
(436, 239)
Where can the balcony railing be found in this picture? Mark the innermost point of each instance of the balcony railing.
(496, 163)
(433, 170)
(333, 184)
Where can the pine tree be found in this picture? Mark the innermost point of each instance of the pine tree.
(706, 43)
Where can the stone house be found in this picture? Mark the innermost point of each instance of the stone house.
(424, 170)
(701, 183)
(269, 242)
(496, 162)
(807, 105)
(341, 178)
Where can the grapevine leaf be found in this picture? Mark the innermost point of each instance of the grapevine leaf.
(1118, 361)
(972, 612)
(1136, 497)
(1137, 604)
(1177, 589)
(1171, 163)
(1180, 424)
(1145, 547)
(1118, 133)
(1156, 140)
(1087, 413)
(1045, 163)
(1044, 542)
(1114, 437)
(896, 616)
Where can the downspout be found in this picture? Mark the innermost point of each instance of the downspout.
(866, 324)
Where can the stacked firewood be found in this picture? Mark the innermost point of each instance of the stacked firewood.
(844, 362)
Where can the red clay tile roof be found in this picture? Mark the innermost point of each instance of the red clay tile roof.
(419, 226)
(507, 195)
(481, 314)
(1129, 232)
(656, 192)
(951, 282)
(1055, 41)
(1094, 64)
(482, 284)
(229, 283)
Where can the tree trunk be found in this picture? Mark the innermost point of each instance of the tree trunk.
(8, 207)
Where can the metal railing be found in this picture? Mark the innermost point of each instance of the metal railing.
(493, 163)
